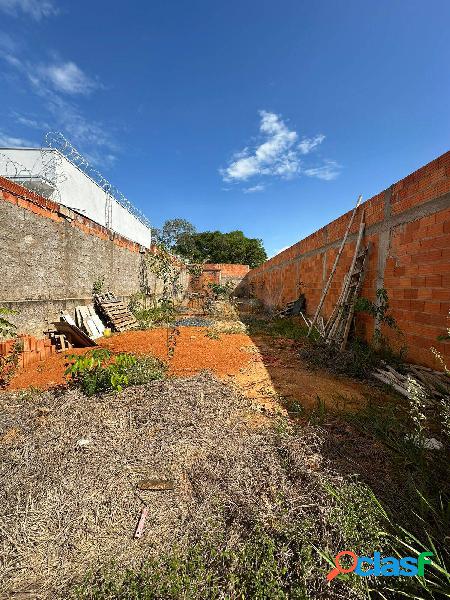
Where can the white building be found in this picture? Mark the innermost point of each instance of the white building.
(51, 174)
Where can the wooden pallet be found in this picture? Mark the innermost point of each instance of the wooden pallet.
(115, 312)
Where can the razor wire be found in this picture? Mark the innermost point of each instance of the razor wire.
(57, 141)
(42, 171)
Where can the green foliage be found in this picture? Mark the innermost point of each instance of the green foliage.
(271, 563)
(419, 519)
(358, 360)
(359, 516)
(221, 291)
(7, 329)
(149, 317)
(259, 569)
(136, 302)
(379, 311)
(442, 338)
(97, 286)
(318, 413)
(212, 334)
(217, 247)
(101, 371)
(8, 364)
(172, 231)
(166, 269)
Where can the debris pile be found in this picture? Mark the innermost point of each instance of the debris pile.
(295, 308)
(435, 384)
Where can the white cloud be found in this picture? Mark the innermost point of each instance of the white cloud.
(13, 142)
(328, 171)
(30, 122)
(308, 144)
(63, 77)
(255, 188)
(36, 9)
(67, 78)
(279, 154)
(274, 156)
(47, 82)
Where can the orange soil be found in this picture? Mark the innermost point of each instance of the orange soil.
(267, 370)
(193, 352)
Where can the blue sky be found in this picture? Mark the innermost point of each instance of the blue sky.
(270, 117)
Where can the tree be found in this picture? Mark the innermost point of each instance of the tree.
(172, 231)
(217, 247)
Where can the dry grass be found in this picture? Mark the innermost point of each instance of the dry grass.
(70, 467)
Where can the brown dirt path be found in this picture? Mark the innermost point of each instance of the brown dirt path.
(266, 369)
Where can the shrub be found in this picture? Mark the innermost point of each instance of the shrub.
(221, 292)
(149, 317)
(97, 286)
(100, 371)
(7, 329)
(8, 364)
(358, 360)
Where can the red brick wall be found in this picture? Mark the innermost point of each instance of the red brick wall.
(409, 228)
(20, 196)
(220, 273)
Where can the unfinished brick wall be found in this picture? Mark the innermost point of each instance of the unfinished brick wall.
(220, 274)
(52, 256)
(408, 226)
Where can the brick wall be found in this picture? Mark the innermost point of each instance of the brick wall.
(52, 255)
(219, 273)
(408, 226)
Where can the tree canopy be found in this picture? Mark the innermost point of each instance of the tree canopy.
(171, 231)
(217, 247)
(181, 237)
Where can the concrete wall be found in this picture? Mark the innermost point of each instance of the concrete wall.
(51, 257)
(409, 228)
(77, 191)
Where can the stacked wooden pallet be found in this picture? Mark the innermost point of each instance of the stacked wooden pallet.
(115, 312)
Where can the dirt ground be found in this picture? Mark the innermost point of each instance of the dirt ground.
(266, 369)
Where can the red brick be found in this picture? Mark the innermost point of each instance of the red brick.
(441, 294)
(411, 293)
(426, 257)
(433, 307)
(433, 280)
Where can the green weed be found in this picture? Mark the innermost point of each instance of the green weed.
(100, 371)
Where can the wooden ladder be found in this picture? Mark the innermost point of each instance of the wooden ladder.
(333, 270)
(338, 328)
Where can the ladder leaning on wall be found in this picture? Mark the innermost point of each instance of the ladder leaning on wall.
(350, 287)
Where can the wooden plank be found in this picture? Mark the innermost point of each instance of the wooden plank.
(75, 333)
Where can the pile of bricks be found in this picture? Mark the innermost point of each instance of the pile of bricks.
(33, 350)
